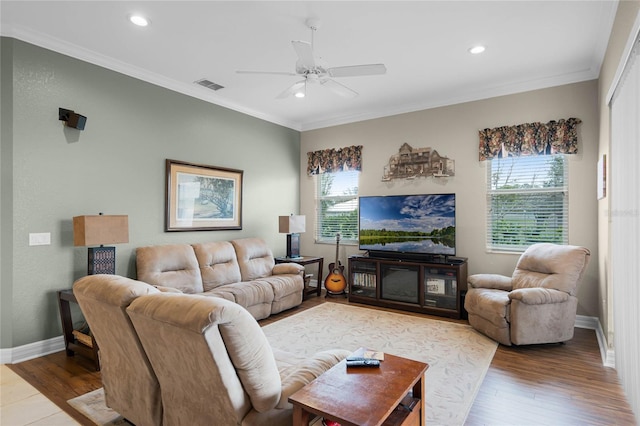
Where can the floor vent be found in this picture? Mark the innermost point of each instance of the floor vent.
(209, 84)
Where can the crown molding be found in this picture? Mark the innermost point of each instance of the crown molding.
(74, 51)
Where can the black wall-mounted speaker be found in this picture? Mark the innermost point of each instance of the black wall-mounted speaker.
(77, 121)
(72, 119)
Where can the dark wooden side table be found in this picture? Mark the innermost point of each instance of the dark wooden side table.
(89, 348)
(392, 394)
(307, 260)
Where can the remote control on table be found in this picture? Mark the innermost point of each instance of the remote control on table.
(359, 358)
(365, 362)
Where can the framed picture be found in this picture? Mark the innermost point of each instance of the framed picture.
(202, 198)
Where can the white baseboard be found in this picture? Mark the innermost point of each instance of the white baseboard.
(31, 350)
(56, 344)
(593, 323)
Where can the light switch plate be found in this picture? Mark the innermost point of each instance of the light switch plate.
(40, 239)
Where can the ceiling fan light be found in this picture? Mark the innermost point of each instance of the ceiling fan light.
(302, 90)
(139, 20)
(476, 50)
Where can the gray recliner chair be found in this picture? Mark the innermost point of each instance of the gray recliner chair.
(537, 304)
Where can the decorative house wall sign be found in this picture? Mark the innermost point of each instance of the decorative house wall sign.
(410, 163)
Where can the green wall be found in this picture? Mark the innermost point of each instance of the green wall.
(51, 173)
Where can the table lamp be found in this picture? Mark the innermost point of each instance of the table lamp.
(99, 230)
(292, 226)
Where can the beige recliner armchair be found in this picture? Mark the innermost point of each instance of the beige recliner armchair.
(215, 365)
(537, 304)
(130, 384)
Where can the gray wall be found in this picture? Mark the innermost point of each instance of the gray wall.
(117, 166)
(453, 132)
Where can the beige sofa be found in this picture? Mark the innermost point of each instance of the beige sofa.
(241, 271)
(215, 365)
(179, 359)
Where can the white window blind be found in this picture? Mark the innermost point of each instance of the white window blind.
(337, 207)
(527, 202)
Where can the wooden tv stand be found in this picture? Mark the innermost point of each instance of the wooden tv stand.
(430, 287)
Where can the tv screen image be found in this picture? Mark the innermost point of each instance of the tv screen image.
(412, 224)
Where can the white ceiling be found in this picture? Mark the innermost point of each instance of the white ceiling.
(530, 45)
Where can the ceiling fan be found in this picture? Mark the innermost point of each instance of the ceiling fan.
(314, 71)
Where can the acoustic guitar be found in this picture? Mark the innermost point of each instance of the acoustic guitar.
(335, 283)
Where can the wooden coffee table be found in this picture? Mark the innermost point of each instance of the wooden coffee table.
(363, 396)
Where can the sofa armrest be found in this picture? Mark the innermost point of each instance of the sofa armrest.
(287, 268)
(493, 281)
(307, 371)
(538, 296)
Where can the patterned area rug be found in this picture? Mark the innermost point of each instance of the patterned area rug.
(458, 356)
(92, 405)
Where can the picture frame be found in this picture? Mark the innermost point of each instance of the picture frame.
(202, 198)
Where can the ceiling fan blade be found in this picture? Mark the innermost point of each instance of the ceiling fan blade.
(291, 90)
(338, 88)
(266, 72)
(357, 70)
(304, 50)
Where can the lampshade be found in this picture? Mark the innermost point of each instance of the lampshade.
(100, 229)
(293, 224)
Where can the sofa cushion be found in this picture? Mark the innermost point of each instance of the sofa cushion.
(221, 293)
(256, 296)
(254, 257)
(287, 290)
(218, 264)
(172, 265)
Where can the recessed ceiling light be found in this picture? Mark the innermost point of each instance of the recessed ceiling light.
(139, 20)
(299, 94)
(476, 50)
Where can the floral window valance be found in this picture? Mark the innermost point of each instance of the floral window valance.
(554, 137)
(334, 160)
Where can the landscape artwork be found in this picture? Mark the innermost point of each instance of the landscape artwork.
(202, 197)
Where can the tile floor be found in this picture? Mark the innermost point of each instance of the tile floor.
(21, 404)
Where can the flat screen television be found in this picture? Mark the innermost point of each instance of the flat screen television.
(408, 225)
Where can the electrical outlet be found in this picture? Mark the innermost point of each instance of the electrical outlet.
(40, 239)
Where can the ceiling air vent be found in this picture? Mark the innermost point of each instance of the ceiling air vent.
(209, 84)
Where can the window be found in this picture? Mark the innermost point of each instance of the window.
(527, 201)
(337, 207)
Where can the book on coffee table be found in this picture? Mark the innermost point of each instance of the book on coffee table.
(373, 354)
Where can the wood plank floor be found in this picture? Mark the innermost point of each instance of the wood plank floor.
(533, 385)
